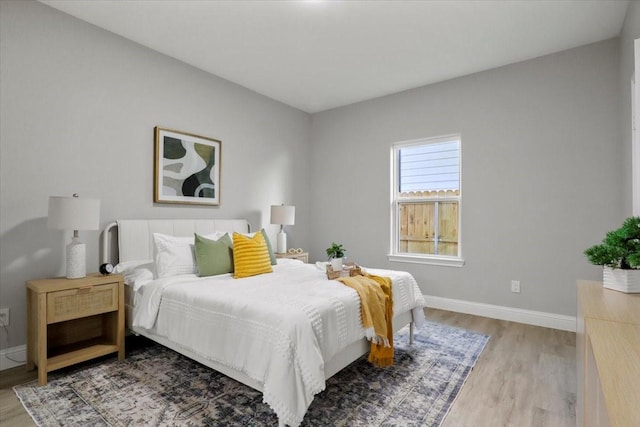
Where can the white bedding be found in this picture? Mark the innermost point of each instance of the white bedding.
(277, 328)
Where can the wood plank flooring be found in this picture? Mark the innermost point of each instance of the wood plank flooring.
(12, 414)
(525, 377)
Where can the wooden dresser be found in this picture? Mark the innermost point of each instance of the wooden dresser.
(608, 356)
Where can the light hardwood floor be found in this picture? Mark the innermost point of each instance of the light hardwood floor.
(525, 377)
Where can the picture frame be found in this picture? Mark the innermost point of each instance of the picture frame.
(186, 168)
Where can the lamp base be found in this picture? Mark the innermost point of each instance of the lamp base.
(282, 242)
(76, 259)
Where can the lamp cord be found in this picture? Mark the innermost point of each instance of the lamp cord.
(6, 355)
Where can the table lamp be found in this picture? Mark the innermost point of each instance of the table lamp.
(283, 215)
(74, 213)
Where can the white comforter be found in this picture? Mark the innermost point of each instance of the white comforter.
(277, 328)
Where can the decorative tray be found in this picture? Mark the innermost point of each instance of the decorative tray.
(348, 269)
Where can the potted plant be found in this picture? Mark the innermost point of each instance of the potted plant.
(619, 254)
(335, 252)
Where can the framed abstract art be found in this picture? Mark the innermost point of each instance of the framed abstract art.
(187, 168)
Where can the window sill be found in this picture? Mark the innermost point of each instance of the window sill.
(428, 260)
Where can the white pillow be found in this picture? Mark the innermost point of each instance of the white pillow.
(136, 273)
(127, 267)
(176, 255)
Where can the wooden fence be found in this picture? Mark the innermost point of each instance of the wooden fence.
(418, 226)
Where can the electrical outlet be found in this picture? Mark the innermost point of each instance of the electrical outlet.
(515, 286)
(4, 316)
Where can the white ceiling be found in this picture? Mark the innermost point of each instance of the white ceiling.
(317, 55)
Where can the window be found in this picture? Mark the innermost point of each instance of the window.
(426, 197)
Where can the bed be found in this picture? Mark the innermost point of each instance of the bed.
(282, 333)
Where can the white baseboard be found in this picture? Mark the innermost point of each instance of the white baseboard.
(12, 357)
(529, 317)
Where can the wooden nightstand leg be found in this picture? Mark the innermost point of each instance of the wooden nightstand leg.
(31, 340)
(42, 375)
(120, 320)
(42, 339)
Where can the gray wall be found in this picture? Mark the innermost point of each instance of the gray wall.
(78, 109)
(541, 175)
(630, 32)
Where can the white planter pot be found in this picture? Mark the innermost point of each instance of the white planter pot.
(336, 264)
(621, 280)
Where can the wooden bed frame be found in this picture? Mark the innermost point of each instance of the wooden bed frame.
(135, 242)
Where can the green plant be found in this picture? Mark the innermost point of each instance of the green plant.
(620, 248)
(335, 251)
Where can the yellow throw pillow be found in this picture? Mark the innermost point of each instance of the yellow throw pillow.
(250, 256)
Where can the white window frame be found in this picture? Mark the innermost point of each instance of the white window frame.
(430, 259)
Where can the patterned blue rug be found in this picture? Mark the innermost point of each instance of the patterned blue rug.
(155, 386)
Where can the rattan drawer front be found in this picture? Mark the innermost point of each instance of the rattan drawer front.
(81, 302)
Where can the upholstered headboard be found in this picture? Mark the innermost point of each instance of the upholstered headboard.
(135, 236)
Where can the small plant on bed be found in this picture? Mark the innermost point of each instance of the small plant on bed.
(335, 252)
(619, 253)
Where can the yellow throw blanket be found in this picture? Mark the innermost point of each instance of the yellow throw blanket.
(377, 314)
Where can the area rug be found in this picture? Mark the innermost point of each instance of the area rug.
(155, 386)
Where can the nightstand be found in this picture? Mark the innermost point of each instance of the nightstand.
(73, 320)
(302, 256)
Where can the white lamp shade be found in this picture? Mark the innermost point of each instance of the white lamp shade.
(73, 213)
(284, 215)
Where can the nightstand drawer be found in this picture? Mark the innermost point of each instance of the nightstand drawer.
(81, 302)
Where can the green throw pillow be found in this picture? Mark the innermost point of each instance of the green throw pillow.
(272, 256)
(214, 256)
